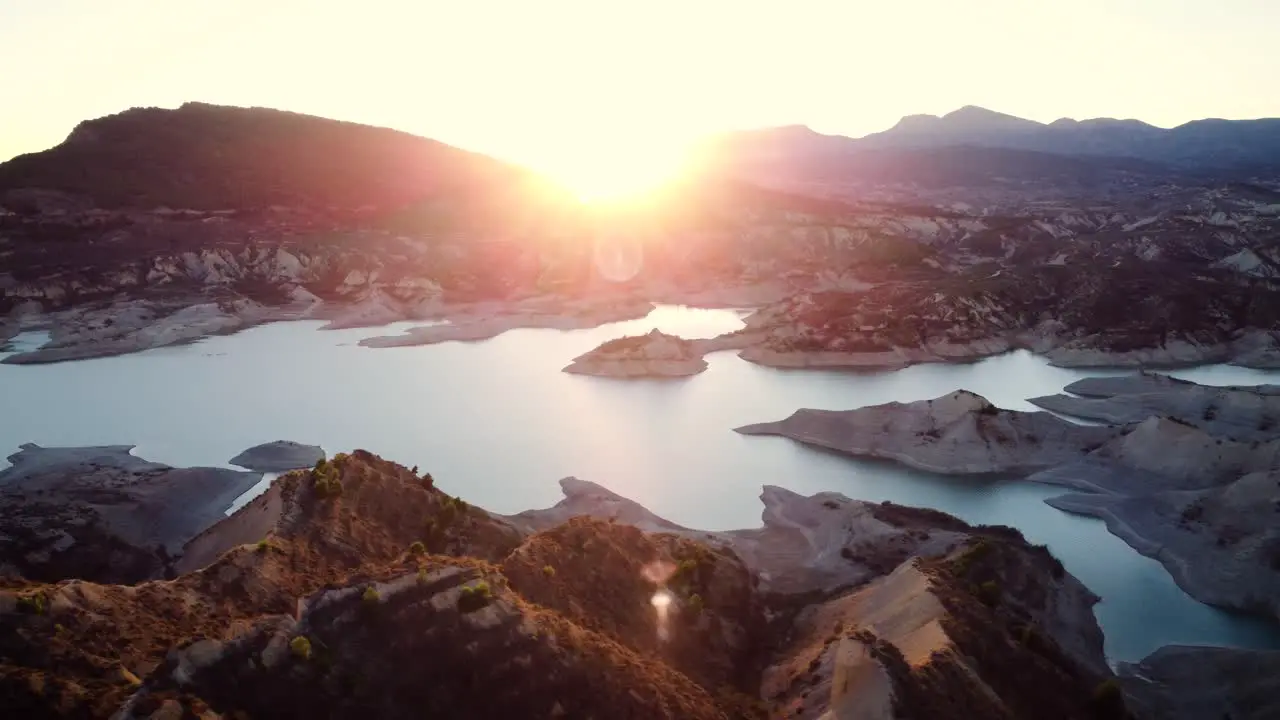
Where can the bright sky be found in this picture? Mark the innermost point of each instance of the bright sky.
(603, 93)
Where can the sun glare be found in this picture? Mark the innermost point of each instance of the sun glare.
(615, 172)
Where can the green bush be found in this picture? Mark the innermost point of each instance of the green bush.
(328, 486)
(474, 597)
(300, 647)
(370, 597)
(417, 548)
(973, 554)
(1107, 702)
(548, 571)
(694, 604)
(989, 593)
(263, 545)
(422, 576)
(31, 604)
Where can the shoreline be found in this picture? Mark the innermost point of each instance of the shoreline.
(126, 326)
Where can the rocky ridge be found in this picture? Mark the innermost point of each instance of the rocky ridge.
(512, 620)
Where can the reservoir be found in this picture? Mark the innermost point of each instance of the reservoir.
(497, 423)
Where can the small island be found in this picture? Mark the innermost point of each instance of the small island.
(653, 355)
(279, 456)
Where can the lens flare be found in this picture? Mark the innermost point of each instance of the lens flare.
(662, 605)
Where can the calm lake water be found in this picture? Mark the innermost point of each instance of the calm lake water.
(498, 423)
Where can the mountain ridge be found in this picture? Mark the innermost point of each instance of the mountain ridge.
(1209, 143)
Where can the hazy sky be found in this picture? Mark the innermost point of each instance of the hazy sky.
(573, 86)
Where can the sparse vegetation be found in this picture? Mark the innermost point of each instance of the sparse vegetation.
(370, 597)
(31, 604)
(474, 597)
(428, 482)
(1107, 702)
(694, 604)
(548, 571)
(263, 546)
(1210, 412)
(300, 647)
(1192, 513)
(989, 593)
(973, 554)
(831, 504)
(326, 478)
(417, 548)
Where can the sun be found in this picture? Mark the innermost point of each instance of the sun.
(602, 172)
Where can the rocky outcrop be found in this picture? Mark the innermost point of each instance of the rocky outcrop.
(905, 645)
(1243, 413)
(279, 456)
(818, 543)
(1222, 545)
(103, 514)
(1191, 683)
(960, 433)
(653, 355)
(1202, 504)
(550, 614)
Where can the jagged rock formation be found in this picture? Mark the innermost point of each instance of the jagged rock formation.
(1190, 683)
(653, 355)
(279, 456)
(960, 433)
(103, 514)
(339, 611)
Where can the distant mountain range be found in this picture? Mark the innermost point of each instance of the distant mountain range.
(971, 142)
(1208, 143)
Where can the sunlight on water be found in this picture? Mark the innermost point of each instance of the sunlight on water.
(498, 423)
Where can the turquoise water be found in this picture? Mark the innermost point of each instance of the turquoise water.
(498, 423)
